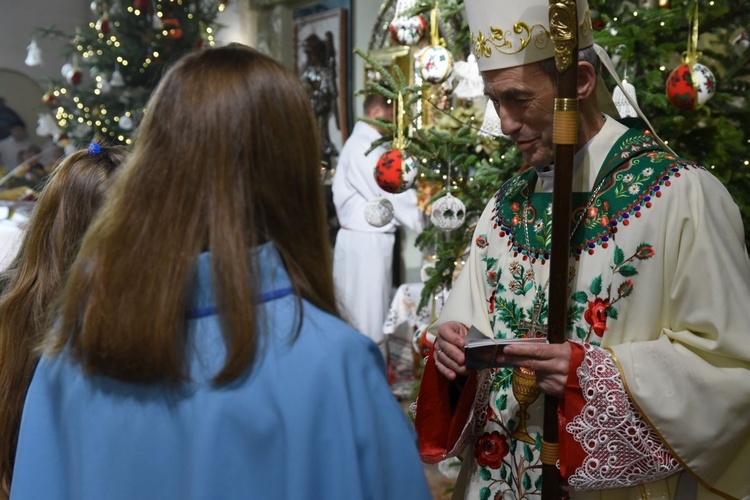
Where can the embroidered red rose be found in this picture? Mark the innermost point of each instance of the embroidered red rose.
(515, 206)
(604, 221)
(491, 449)
(481, 241)
(596, 315)
(516, 220)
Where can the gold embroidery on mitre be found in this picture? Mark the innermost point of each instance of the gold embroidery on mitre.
(503, 40)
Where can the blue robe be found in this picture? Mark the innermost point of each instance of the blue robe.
(314, 419)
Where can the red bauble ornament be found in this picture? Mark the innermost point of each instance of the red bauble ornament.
(75, 76)
(690, 88)
(172, 25)
(102, 25)
(49, 97)
(396, 171)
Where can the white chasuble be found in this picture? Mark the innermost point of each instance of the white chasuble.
(660, 278)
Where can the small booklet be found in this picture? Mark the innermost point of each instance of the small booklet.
(481, 352)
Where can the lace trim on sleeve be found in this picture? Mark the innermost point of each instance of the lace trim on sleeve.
(621, 448)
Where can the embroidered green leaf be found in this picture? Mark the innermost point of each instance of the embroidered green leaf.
(574, 314)
(538, 483)
(538, 441)
(628, 270)
(580, 297)
(485, 473)
(596, 285)
(527, 452)
(612, 312)
(502, 402)
(510, 313)
(619, 256)
(484, 493)
(581, 332)
(490, 262)
(503, 472)
(526, 481)
(527, 287)
(512, 446)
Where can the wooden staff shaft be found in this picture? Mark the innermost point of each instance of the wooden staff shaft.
(564, 28)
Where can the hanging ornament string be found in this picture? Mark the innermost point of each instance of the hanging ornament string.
(434, 32)
(400, 141)
(691, 55)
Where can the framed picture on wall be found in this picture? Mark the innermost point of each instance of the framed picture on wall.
(320, 57)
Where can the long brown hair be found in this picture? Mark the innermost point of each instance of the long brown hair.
(64, 210)
(226, 158)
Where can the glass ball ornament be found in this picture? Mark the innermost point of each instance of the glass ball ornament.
(434, 63)
(396, 171)
(448, 212)
(740, 43)
(408, 30)
(690, 87)
(125, 122)
(378, 212)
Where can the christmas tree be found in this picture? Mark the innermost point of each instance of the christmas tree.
(647, 41)
(116, 61)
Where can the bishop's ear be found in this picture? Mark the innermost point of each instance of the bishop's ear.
(586, 79)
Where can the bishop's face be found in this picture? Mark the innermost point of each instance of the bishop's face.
(524, 98)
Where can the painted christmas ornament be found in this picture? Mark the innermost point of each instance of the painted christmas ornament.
(740, 43)
(690, 88)
(408, 30)
(396, 171)
(378, 212)
(448, 212)
(434, 63)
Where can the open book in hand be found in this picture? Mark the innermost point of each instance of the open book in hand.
(481, 352)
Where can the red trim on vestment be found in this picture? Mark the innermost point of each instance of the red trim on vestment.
(571, 452)
(438, 429)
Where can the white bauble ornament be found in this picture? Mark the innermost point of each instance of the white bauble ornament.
(491, 123)
(46, 125)
(468, 82)
(378, 212)
(448, 212)
(125, 122)
(621, 102)
(117, 80)
(66, 69)
(434, 63)
(34, 54)
(103, 85)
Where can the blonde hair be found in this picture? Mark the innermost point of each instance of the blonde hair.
(62, 214)
(226, 158)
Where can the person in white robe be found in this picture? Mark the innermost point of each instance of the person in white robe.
(363, 253)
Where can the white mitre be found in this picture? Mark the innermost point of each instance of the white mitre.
(508, 33)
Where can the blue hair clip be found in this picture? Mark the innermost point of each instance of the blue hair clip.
(94, 149)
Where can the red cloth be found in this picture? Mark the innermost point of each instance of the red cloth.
(571, 452)
(438, 428)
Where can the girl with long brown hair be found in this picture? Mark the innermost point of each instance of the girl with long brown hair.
(198, 352)
(61, 215)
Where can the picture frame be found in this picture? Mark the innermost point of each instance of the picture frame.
(320, 59)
